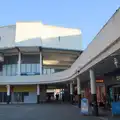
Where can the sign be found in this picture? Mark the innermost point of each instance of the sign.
(99, 81)
(84, 106)
(116, 108)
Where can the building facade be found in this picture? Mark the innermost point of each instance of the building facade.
(29, 52)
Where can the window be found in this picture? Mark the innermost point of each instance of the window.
(26, 93)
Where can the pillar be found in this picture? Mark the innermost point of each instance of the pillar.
(71, 93)
(38, 93)
(19, 64)
(41, 63)
(8, 94)
(93, 93)
(79, 92)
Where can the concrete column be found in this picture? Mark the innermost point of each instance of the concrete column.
(41, 63)
(93, 93)
(71, 93)
(38, 93)
(79, 92)
(19, 64)
(8, 94)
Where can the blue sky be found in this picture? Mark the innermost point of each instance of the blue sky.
(87, 15)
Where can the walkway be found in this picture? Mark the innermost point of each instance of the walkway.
(41, 112)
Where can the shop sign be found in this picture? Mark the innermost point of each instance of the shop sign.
(99, 81)
(84, 106)
(116, 108)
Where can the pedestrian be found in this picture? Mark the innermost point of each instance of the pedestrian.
(57, 96)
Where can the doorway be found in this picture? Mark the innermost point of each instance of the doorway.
(3, 97)
(113, 93)
(116, 93)
(17, 97)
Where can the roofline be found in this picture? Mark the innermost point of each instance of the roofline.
(50, 25)
(104, 25)
(41, 23)
(70, 50)
(63, 27)
(7, 26)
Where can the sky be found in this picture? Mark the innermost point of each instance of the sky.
(87, 15)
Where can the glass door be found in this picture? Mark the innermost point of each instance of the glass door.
(3, 97)
(17, 97)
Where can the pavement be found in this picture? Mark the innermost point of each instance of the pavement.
(49, 111)
(103, 114)
(42, 112)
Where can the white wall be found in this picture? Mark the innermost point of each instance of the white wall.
(28, 31)
(37, 34)
(7, 36)
(66, 42)
(32, 98)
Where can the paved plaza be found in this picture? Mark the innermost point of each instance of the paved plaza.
(42, 112)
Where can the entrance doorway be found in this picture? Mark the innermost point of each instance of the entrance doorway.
(3, 97)
(113, 93)
(116, 93)
(17, 97)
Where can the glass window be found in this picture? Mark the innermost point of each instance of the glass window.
(30, 59)
(44, 71)
(26, 93)
(23, 68)
(28, 68)
(48, 71)
(34, 66)
(58, 70)
(38, 68)
(11, 59)
(8, 70)
(4, 70)
(52, 70)
(13, 69)
(0, 73)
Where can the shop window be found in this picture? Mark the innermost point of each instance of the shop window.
(26, 93)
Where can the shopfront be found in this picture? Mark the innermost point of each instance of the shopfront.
(3, 94)
(113, 89)
(100, 89)
(112, 81)
(23, 94)
(101, 92)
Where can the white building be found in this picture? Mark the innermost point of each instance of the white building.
(32, 56)
(33, 53)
